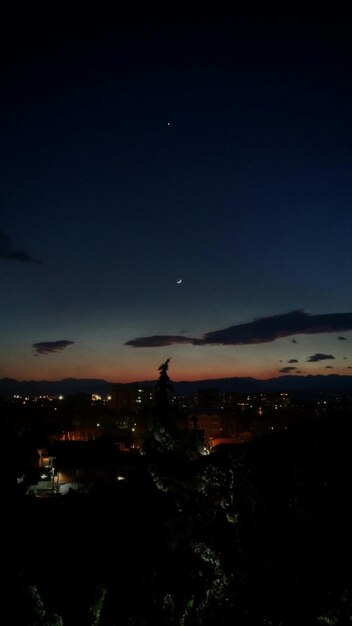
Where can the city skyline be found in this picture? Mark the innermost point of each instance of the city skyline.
(140, 151)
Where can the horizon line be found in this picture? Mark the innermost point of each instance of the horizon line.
(172, 380)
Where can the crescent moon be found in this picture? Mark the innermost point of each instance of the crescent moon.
(179, 281)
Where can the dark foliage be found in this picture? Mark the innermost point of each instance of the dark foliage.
(253, 534)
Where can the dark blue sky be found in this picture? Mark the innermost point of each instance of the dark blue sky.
(140, 149)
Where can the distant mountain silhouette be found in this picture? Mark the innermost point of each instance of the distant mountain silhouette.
(69, 386)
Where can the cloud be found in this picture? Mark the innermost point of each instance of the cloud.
(287, 370)
(268, 329)
(342, 338)
(293, 361)
(156, 341)
(7, 251)
(319, 357)
(47, 347)
(262, 330)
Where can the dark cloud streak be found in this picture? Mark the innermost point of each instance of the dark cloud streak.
(261, 330)
(156, 341)
(48, 347)
(315, 358)
(7, 251)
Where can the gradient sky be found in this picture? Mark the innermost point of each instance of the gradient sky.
(140, 149)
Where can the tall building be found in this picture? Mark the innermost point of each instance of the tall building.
(124, 398)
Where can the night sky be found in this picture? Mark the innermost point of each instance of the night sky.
(145, 148)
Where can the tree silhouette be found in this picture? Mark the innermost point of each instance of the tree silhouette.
(163, 387)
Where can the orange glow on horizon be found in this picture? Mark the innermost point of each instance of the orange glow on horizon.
(138, 372)
(152, 374)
